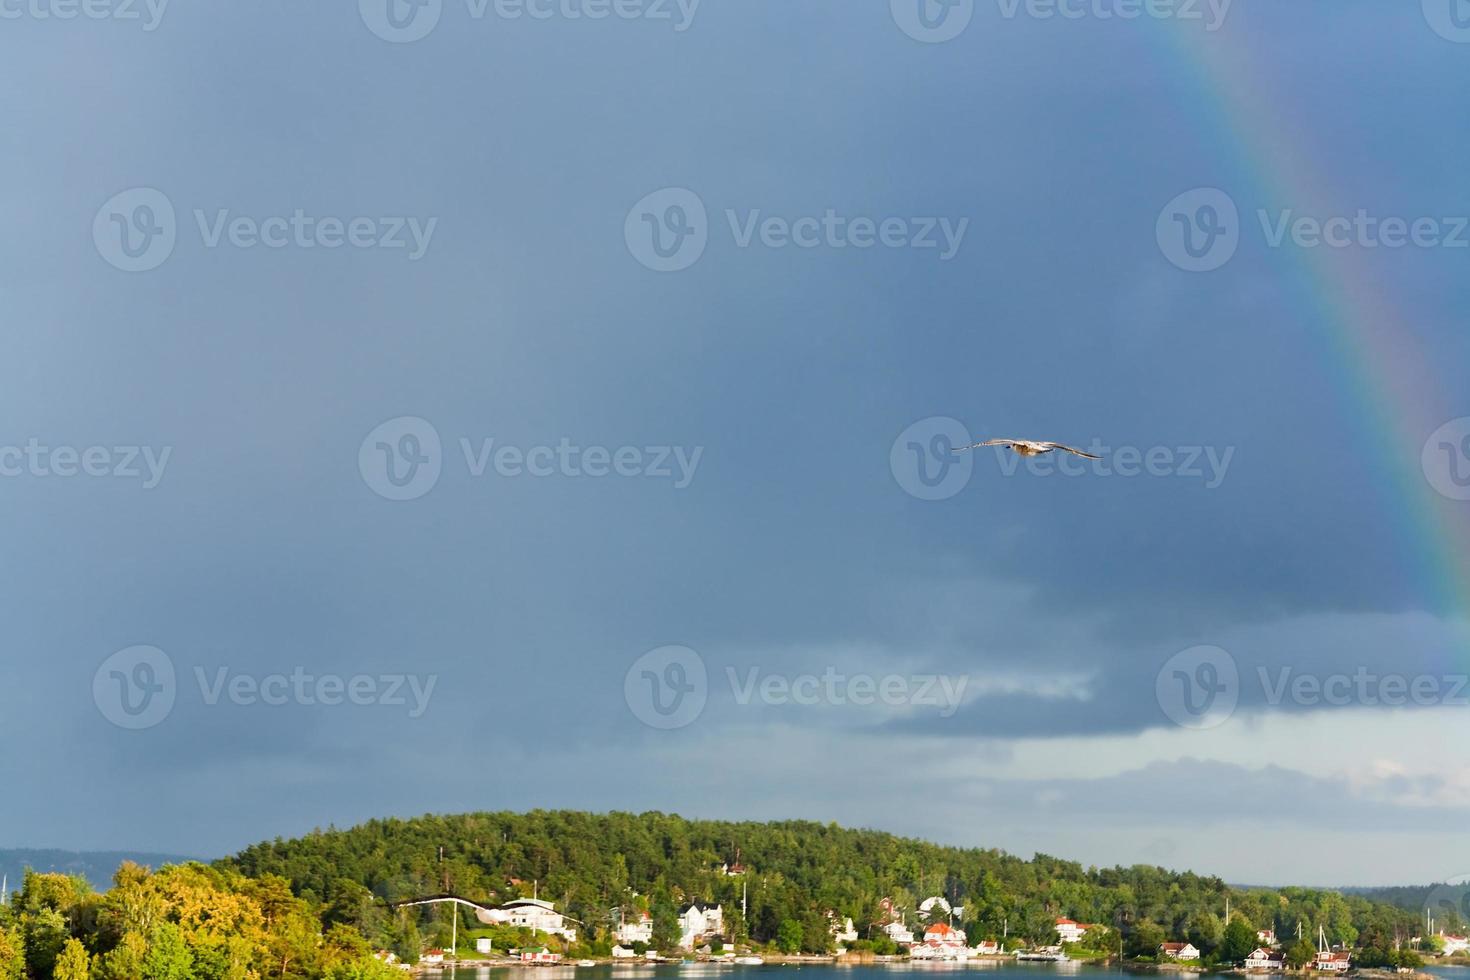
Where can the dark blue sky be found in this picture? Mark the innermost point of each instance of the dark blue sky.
(766, 511)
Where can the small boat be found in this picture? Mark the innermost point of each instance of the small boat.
(586, 962)
(749, 960)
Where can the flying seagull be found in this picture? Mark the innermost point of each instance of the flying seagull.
(1028, 448)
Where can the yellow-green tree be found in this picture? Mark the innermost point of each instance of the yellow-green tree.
(73, 963)
(168, 958)
(12, 955)
(124, 961)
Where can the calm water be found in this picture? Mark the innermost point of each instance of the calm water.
(991, 969)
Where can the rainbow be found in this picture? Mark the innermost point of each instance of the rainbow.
(1387, 378)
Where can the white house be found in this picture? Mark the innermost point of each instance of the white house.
(539, 954)
(696, 923)
(899, 933)
(432, 957)
(1266, 937)
(987, 947)
(942, 941)
(1455, 944)
(639, 930)
(843, 931)
(1332, 962)
(929, 904)
(539, 916)
(1262, 958)
(1179, 951)
(622, 953)
(944, 934)
(482, 945)
(1069, 931)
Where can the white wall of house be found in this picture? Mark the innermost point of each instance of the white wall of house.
(697, 923)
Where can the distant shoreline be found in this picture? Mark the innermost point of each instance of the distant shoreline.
(867, 959)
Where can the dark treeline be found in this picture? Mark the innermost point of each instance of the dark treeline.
(592, 865)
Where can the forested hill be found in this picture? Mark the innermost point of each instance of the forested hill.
(590, 863)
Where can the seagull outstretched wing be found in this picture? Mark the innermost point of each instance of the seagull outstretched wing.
(1069, 449)
(989, 442)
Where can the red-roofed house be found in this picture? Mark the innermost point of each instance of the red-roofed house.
(1179, 951)
(944, 933)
